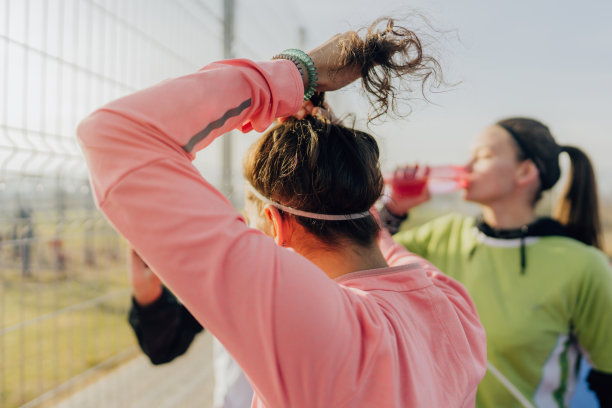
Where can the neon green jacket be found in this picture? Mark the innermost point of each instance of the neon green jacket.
(538, 323)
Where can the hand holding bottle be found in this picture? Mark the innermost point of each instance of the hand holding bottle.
(414, 185)
(406, 189)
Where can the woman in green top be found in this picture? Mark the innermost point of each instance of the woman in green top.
(542, 286)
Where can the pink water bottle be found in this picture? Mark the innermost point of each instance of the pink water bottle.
(412, 180)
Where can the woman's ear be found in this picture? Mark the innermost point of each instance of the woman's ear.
(527, 172)
(281, 226)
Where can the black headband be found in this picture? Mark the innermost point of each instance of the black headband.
(521, 145)
(548, 167)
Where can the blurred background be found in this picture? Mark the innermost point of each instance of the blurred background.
(64, 339)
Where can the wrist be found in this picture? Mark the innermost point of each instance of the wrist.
(390, 221)
(394, 210)
(305, 65)
(303, 72)
(147, 297)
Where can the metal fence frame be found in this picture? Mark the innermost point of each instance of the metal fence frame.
(60, 60)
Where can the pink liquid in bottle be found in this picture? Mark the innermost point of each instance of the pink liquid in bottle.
(447, 179)
(411, 181)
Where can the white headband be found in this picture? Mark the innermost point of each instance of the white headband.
(316, 216)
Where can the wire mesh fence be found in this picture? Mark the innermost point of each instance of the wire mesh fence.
(63, 287)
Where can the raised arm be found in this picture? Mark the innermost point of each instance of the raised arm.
(178, 117)
(266, 304)
(282, 319)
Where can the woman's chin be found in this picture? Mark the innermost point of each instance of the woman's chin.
(466, 195)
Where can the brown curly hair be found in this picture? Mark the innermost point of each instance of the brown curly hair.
(323, 167)
(390, 58)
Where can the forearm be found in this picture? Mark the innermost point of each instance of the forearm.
(178, 117)
(394, 253)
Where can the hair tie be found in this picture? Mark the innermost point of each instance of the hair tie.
(308, 214)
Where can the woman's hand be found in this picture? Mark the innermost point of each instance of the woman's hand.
(408, 188)
(308, 109)
(146, 286)
(325, 58)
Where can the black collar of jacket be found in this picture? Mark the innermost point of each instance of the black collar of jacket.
(542, 227)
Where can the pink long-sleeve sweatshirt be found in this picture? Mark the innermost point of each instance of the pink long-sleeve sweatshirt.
(403, 336)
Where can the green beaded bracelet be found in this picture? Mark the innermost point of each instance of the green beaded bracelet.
(304, 59)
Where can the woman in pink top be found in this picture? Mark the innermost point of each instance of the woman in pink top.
(315, 309)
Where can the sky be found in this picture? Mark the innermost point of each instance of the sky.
(550, 60)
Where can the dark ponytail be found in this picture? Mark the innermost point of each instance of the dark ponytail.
(578, 206)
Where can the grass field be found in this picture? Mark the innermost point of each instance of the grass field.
(55, 324)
